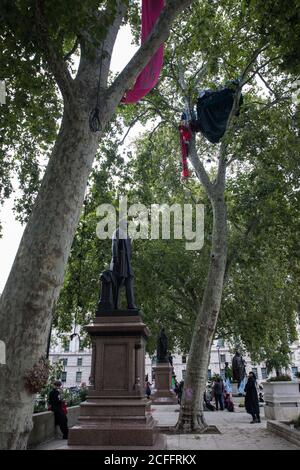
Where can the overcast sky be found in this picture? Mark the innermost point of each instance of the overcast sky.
(12, 230)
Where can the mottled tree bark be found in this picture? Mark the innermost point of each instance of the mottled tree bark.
(191, 418)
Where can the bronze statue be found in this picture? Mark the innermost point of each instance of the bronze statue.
(121, 269)
(119, 274)
(238, 368)
(162, 347)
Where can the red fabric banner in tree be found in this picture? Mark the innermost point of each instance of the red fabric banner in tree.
(185, 137)
(149, 76)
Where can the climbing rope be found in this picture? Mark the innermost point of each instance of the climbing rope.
(94, 119)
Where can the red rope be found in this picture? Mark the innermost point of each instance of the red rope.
(185, 137)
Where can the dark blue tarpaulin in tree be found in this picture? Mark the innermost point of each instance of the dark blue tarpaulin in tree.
(213, 110)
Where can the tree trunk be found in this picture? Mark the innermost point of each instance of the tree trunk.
(191, 417)
(37, 274)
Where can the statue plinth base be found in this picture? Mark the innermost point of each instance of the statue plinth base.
(116, 412)
(163, 393)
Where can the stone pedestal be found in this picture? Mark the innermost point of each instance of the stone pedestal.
(163, 393)
(282, 400)
(116, 412)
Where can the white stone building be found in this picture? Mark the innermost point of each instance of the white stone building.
(77, 361)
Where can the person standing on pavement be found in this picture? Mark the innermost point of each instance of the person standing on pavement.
(56, 404)
(218, 391)
(251, 398)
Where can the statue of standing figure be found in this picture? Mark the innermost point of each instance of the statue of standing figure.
(238, 368)
(162, 347)
(120, 274)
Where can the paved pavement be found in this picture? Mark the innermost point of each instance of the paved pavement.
(236, 433)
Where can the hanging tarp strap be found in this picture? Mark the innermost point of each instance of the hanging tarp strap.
(148, 78)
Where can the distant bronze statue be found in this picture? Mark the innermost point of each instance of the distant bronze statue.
(238, 368)
(119, 274)
(170, 358)
(162, 347)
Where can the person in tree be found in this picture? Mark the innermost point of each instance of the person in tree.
(58, 407)
(251, 398)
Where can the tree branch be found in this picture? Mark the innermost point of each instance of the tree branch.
(272, 59)
(71, 52)
(266, 84)
(56, 63)
(199, 168)
(220, 181)
(132, 124)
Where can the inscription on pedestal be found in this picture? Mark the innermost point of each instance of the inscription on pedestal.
(115, 367)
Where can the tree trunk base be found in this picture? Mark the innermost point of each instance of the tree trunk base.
(15, 424)
(191, 422)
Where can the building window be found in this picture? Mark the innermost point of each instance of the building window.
(264, 374)
(79, 361)
(183, 374)
(64, 361)
(183, 359)
(255, 371)
(209, 374)
(78, 376)
(67, 346)
(81, 346)
(64, 376)
(222, 357)
(294, 371)
(220, 343)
